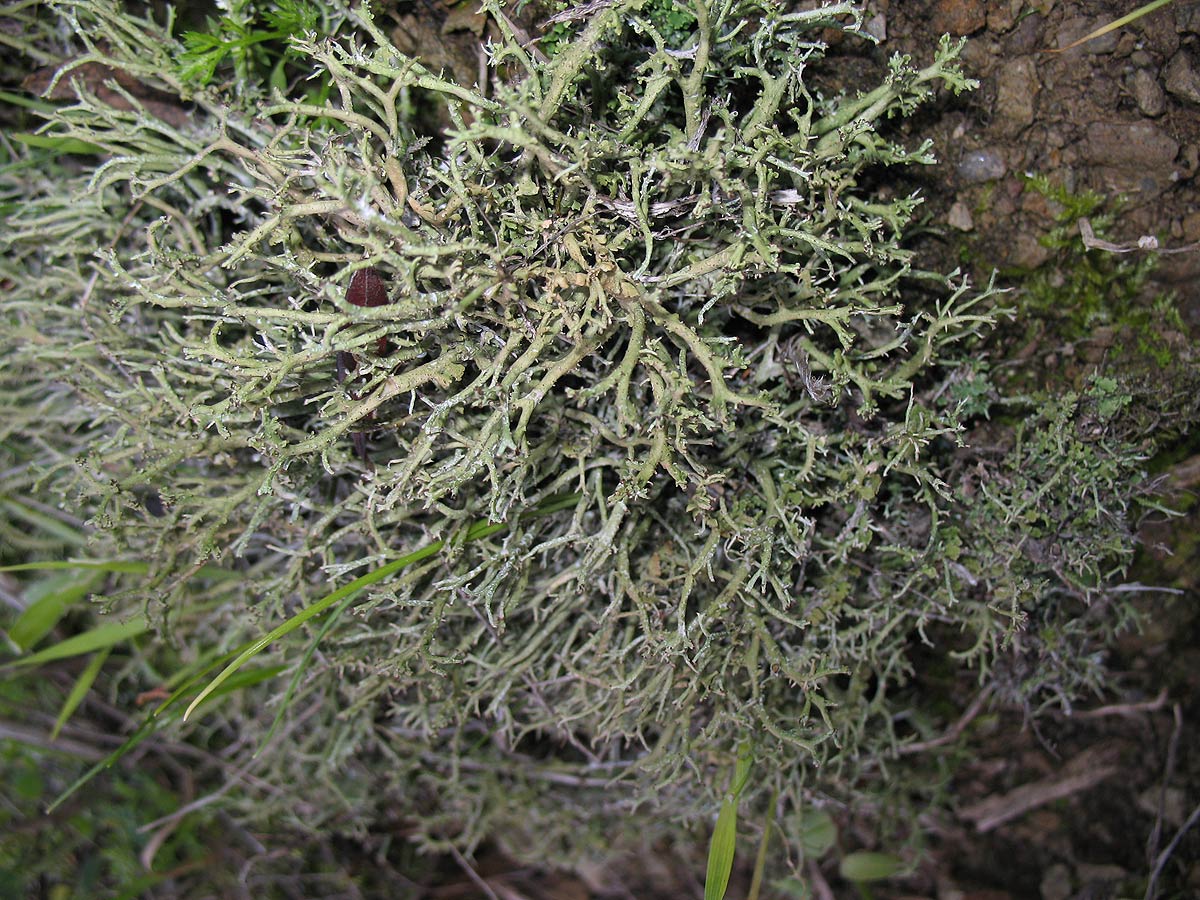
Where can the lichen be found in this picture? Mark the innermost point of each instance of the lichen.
(642, 271)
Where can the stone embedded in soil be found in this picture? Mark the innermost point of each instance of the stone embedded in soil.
(1039, 209)
(958, 17)
(1101, 878)
(1187, 18)
(1078, 27)
(960, 217)
(980, 56)
(978, 166)
(876, 27)
(1189, 158)
(1027, 252)
(1181, 271)
(1182, 78)
(1002, 16)
(1170, 803)
(1147, 93)
(1190, 227)
(1157, 34)
(1136, 145)
(1017, 87)
(1026, 37)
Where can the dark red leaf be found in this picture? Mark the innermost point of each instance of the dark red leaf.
(366, 289)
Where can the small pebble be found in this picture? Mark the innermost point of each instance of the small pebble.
(1187, 18)
(1001, 17)
(1138, 146)
(1017, 88)
(978, 166)
(958, 17)
(1056, 883)
(1027, 252)
(1147, 93)
(1182, 78)
(960, 217)
(876, 27)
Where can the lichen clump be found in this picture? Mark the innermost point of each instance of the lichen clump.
(653, 273)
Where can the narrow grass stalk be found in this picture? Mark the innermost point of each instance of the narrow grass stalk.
(478, 530)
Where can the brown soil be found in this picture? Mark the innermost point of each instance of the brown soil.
(1121, 116)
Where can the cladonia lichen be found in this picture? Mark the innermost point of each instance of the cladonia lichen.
(653, 270)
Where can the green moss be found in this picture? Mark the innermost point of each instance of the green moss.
(1079, 290)
(667, 23)
(1098, 324)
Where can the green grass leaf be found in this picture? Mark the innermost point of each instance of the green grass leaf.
(159, 718)
(720, 851)
(479, 529)
(111, 565)
(760, 860)
(99, 638)
(358, 584)
(120, 566)
(44, 107)
(47, 524)
(79, 690)
(724, 838)
(49, 598)
(301, 668)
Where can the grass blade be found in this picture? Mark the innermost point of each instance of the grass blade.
(720, 851)
(47, 524)
(724, 839)
(301, 668)
(57, 143)
(154, 721)
(102, 565)
(120, 566)
(82, 685)
(42, 107)
(49, 600)
(479, 529)
(1114, 25)
(357, 585)
(98, 638)
(760, 861)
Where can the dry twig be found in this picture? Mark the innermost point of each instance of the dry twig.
(1085, 771)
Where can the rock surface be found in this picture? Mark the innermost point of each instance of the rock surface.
(1182, 77)
(1016, 94)
(1147, 93)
